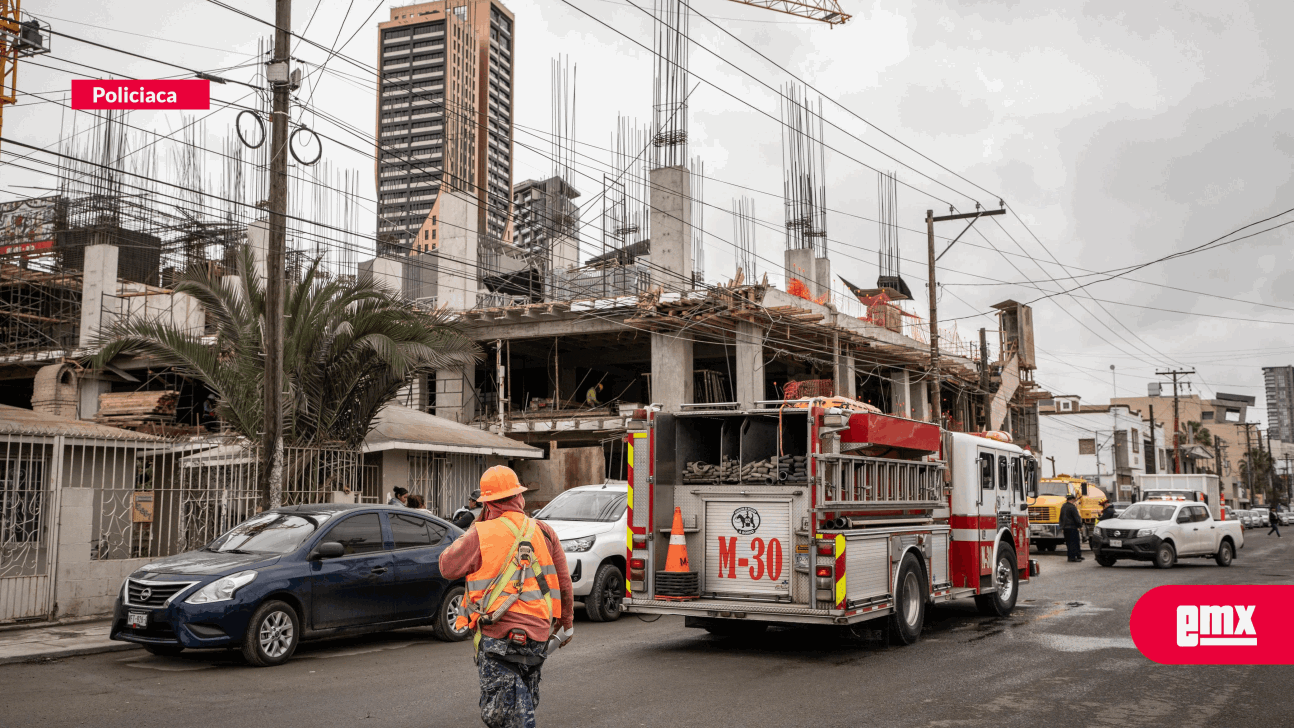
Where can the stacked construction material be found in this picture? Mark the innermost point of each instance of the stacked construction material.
(121, 408)
(700, 472)
(792, 467)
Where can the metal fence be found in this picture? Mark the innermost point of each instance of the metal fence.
(162, 497)
(26, 546)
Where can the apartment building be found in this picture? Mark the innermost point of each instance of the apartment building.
(444, 121)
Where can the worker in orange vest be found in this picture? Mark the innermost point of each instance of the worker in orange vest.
(518, 597)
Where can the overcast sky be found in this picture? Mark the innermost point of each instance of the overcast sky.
(1118, 132)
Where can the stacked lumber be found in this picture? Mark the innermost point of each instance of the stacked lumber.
(123, 409)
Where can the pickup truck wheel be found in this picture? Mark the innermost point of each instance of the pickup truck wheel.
(909, 603)
(1226, 552)
(1165, 556)
(272, 635)
(604, 603)
(1106, 560)
(447, 615)
(1048, 547)
(1002, 601)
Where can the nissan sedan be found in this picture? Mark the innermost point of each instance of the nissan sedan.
(293, 573)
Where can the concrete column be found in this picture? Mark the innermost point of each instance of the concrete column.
(671, 371)
(845, 384)
(919, 400)
(671, 228)
(900, 394)
(98, 277)
(455, 398)
(258, 239)
(89, 387)
(749, 387)
(800, 266)
(456, 254)
(821, 276)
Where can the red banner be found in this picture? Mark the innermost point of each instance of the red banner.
(184, 94)
(1216, 625)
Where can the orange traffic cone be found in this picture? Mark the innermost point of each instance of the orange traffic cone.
(676, 560)
(677, 582)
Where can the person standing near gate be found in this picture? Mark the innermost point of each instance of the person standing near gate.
(1071, 523)
(517, 588)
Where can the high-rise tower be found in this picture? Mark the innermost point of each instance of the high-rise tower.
(444, 122)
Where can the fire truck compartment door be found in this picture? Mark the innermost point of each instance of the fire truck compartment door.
(749, 549)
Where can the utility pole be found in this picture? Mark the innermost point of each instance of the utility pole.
(1177, 447)
(1053, 460)
(1154, 440)
(275, 267)
(1249, 462)
(936, 408)
(984, 376)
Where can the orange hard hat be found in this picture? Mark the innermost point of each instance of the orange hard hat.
(499, 482)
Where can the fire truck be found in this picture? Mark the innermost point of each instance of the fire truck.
(821, 512)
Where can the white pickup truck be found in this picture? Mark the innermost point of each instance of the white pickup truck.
(1163, 532)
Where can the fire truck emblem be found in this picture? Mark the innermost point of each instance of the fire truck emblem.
(745, 520)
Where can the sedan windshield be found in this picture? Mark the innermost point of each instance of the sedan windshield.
(1149, 512)
(585, 505)
(269, 533)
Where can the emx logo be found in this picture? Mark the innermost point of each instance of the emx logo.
(1215, 625)
(1212, 626)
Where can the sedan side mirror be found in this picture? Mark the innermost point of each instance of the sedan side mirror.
(328, 550)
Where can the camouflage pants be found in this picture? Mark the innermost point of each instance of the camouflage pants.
(509, 691)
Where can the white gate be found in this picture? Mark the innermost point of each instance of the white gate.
(27, 532)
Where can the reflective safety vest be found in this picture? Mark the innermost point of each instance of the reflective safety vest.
(517, 574)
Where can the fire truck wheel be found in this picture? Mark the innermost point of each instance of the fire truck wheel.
(1165, 556)
(604, 603)
(1001, 602)
(909, 603)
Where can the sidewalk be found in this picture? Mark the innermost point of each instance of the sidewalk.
(55, 641)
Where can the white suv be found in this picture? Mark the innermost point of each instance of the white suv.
(590, 521)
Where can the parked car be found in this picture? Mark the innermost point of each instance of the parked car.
(591, 522)
(1163, 532)
(294, 573)
(1286, 518)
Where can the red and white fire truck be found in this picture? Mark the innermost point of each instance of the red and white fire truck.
(815, 511)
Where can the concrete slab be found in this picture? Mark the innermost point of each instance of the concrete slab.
(57, 641)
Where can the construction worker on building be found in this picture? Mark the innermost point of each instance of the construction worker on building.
(518, 598)
(591, 396)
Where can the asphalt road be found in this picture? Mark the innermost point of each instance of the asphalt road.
(1064, 658)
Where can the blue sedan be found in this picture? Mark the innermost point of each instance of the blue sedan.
(294, 573)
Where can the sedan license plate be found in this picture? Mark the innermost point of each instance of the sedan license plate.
(138, 620)
(1116, 543)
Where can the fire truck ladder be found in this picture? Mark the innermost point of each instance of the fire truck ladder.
(858, 483)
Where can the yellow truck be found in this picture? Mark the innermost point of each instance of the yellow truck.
(1044, 510)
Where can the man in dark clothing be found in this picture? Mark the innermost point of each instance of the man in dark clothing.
(1071, 523)
(1107, 510)
(463, 517)
(1274, 521)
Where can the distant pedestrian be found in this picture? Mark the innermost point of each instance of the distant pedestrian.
(1107, 510)
(463, 517)
(399, 496)
(1071, 523)
(417, 502)
(1274, 521)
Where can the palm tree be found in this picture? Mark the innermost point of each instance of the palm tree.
(349, 347)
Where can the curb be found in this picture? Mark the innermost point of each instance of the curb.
(71, 652)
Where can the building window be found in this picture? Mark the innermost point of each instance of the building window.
(1136, 440)
(1087, 446)
(426, 235)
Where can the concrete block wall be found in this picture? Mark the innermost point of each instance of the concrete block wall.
(84, 587)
